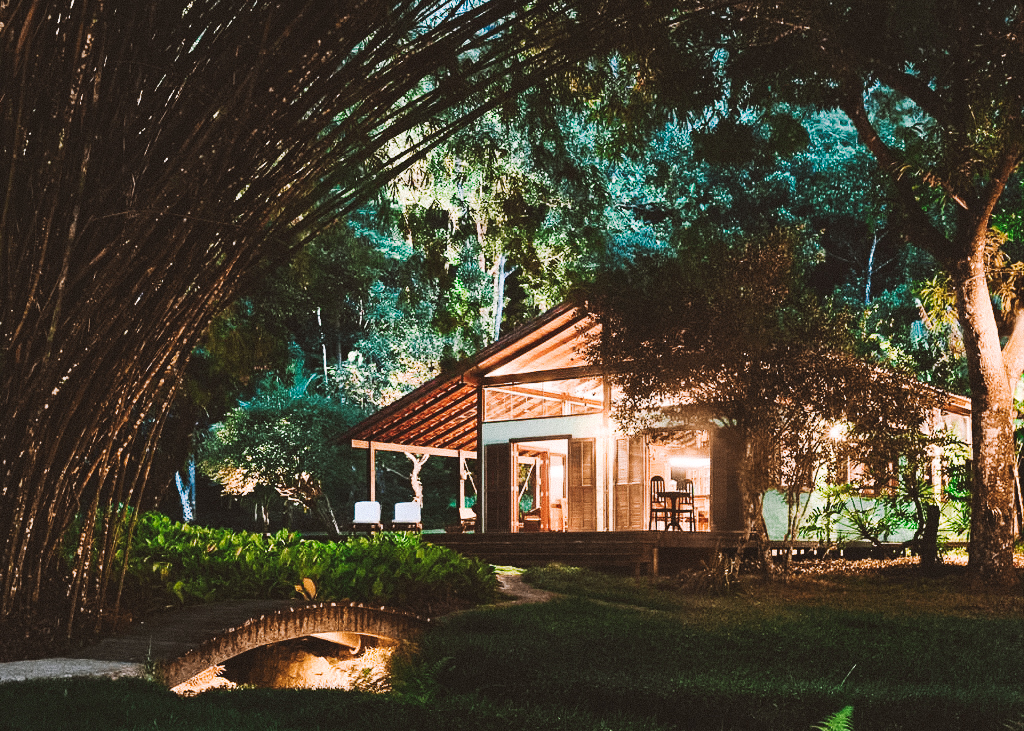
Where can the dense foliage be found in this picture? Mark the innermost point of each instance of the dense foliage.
(166, 170)
(174, 563)
(277, 453)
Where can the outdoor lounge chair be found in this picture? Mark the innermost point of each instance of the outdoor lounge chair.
(366, 517)
(408, 516)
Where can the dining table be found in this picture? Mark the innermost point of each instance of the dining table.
(674, 498)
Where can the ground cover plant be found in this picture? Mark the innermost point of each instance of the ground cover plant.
(172, 563)
(903, 651)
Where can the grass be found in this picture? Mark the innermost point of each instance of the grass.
(613, 653)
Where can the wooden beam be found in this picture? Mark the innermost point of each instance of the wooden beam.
(411, 449)
(555, 374)
(550, 395)
(518, 347)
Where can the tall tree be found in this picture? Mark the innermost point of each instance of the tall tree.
(935, 92)
(155, 158)
(742, 345)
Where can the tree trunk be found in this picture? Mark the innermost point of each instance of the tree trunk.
(418, 460)
(187, 491)
(500, 275)
(928, 543)
(992, 481)
(324, 510)
(753, 482)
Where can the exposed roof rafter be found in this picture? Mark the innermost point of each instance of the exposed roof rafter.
(442, 414)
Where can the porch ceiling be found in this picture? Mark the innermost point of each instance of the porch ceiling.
(444, 412)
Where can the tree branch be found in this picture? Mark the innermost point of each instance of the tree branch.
(922, 230)
(929, 100)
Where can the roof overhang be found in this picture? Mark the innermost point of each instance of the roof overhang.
(442, 416)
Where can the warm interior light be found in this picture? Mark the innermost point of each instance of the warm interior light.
(556, 476)
(690, 461)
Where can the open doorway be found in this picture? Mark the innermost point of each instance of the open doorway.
(540, 501)
(684, 455)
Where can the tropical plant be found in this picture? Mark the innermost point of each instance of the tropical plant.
(278, 451)
(178, 563)
(841, 720)
(886, 487)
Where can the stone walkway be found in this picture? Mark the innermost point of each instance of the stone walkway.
(54, 668)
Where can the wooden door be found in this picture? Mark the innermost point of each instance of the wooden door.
(629, 484)
(499, 488)
(582, 485)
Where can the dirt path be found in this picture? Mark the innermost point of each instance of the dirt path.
(520, 592)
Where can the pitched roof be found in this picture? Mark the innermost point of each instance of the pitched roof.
(443, 413)
(442, 416)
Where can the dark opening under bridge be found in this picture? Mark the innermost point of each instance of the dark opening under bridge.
(179, 644)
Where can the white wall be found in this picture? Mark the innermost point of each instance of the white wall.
(583, 426)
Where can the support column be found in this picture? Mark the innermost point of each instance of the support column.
(609, 466)
(481, 491)
(372, 470)
(462, 480)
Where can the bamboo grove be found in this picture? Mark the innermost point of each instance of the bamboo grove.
(155, 158)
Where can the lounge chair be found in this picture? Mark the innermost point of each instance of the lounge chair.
(367, 517)
(408, 516)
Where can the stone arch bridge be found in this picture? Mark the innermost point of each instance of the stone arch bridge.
(180, 644)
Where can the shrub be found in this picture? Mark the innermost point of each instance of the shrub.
(178, 563)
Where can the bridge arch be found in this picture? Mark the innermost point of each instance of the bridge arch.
(321, 618)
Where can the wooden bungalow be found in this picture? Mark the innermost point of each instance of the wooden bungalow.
(530, 419)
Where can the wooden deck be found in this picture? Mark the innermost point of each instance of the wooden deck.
(635, 552)
(649, 553)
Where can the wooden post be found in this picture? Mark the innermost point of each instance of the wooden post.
(462, 480)
(481, 490)
(609, 466)
(372, 470)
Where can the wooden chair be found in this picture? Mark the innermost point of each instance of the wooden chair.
(408, 517)
(659, 506)
(467, 519)
(685, 509)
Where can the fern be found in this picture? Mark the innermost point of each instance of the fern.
(841, 720)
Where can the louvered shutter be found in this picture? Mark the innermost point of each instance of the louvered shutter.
(582, 487)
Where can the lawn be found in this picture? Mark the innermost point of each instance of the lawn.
(905, 652)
